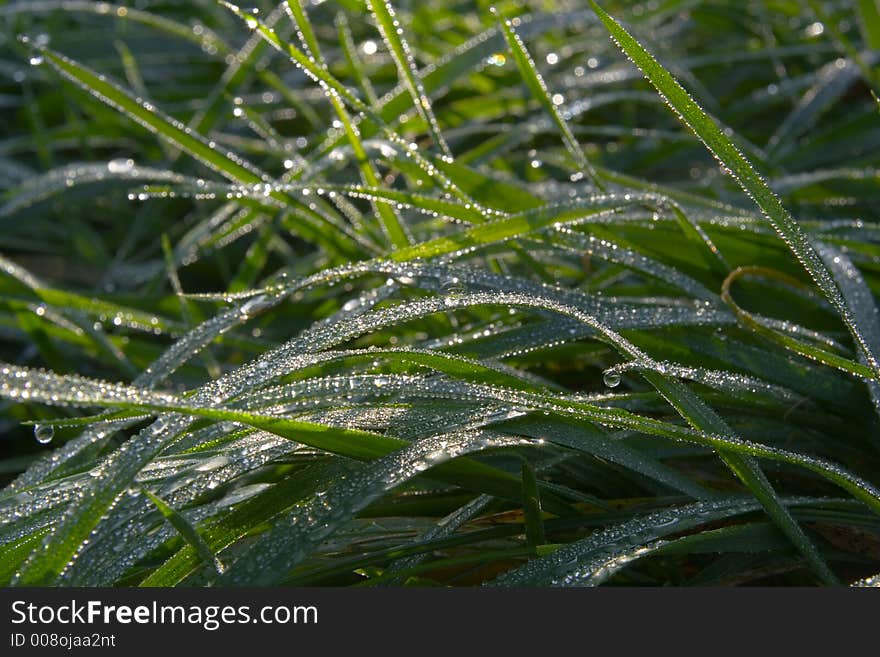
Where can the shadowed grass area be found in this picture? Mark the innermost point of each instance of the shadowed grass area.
(439, 294)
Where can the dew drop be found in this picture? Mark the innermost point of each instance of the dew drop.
(121, 165)
(611, 379)
(497, 59)
(255, 305)
(44, 433)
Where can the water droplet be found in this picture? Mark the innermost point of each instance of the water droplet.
(611, 379)
(120, 165)
(814, 29)
(498, 59)
(36, 60)
(44, 433)
(255, 305)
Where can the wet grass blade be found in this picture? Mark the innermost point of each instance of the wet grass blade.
(742, 171)
(538, 88)
(149, 117)
(186, 531)
(390, 221)
(392, 33)
(145, 114)
(532, 511)
(291, 319)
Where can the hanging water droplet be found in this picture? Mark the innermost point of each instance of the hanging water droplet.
(611, 379)
(44, 433)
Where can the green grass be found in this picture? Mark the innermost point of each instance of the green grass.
(440, 294)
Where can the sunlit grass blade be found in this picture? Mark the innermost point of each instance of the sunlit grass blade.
(507, 228)
(869, 21)
(803, 348)
(390, 221)
(349, 49)
(392, 33)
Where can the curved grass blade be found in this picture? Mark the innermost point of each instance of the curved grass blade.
(592, 560)
(291, 539)
(804, 349)
(41, 187)
(742, 171)
(204, 37)
(854, 287)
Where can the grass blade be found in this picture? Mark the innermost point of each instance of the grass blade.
(186, 531)
(532, 508)
(392, 34)
(742, 171)
(538, 88)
